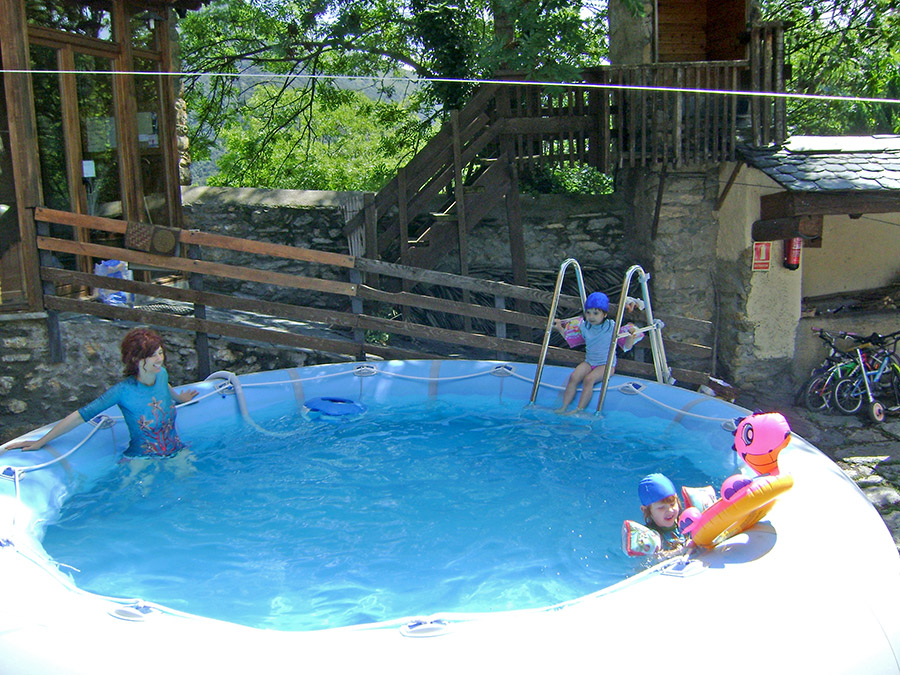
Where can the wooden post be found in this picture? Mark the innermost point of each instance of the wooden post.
(462, 226)
(755, 84)
(54, 336)
(513, 208)
(677, 154)
(22, 138)
(125, 112)
(168, 95)
(201, 340)
(71, 127)
(402, 221)
(778, 66)
(356, 306)
(499, 326)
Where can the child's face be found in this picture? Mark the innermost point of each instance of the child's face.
(665, 512)
(594, 315)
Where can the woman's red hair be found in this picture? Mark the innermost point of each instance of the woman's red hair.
(139, 343)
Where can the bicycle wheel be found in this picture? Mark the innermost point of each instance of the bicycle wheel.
(875, 411)
(848, 395)
(816, 396)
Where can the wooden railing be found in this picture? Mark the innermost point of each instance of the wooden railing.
(653, 115)
(363, 304)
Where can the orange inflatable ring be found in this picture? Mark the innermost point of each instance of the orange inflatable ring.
(740, 511)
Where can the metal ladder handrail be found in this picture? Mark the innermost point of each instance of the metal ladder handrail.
(553, 307)
(653, 328)
(660, 365)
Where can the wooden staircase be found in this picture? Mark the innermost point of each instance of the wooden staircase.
(653, 115)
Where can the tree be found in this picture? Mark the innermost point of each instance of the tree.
(350, 142)
(845, 48)
(314, 45)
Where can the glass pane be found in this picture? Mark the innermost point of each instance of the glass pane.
(153, 170)
(144, 25)
(87, 19)
(51, 144)
(98, 135)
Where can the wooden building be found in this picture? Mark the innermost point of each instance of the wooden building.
(88, 120)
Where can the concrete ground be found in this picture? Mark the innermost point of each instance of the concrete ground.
(867, 452)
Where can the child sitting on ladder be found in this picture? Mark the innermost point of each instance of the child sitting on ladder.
(596, 328)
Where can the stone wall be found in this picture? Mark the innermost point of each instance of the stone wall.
(34, 391)
(303, 218)
(677, 248)
(590, 229)
(556, 227)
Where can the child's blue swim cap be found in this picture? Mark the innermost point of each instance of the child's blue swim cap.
(654, 488)
(597, 301)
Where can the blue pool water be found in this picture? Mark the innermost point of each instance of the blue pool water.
(412, 508)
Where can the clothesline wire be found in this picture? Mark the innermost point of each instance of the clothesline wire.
(449, 80)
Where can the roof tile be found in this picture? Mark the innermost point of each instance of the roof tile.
(838, 163)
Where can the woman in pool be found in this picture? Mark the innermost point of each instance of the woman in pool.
(597, 330)
(146, 400)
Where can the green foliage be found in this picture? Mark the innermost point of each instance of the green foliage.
(569, 178)
(276, 88)
(314, 45)
(841, 48)
(343, 141)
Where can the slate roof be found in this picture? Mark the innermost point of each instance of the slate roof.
(831, 163)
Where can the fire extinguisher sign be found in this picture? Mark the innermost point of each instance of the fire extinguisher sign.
(762, 256)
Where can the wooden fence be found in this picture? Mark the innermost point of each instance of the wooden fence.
(363, 302)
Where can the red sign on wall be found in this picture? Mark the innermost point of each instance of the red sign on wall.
(762, 256)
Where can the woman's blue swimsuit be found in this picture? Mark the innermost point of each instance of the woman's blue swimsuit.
(149, 413)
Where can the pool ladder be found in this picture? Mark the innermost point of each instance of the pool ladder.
(653, 328)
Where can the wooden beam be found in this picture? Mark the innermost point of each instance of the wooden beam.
(773, 229)
(168, 127)
(188, 323)
(125, 114)
(200, 238)
(197, 266)
(727, 189)
(23, 146)
(790, 203)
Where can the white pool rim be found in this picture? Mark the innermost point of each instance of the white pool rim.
(813, 588)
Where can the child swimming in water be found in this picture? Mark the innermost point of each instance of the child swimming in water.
(661, 508)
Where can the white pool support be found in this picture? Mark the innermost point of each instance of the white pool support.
(813, 588)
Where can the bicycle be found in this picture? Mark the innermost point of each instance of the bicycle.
(878, 378)
(816, 393)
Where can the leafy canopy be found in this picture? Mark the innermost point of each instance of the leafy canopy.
(350, 142)
(299, 54)
(845, 48)
(276, 90)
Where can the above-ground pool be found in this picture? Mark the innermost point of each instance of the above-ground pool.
(423, 516)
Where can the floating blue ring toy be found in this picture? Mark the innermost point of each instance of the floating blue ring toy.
(332, 405)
